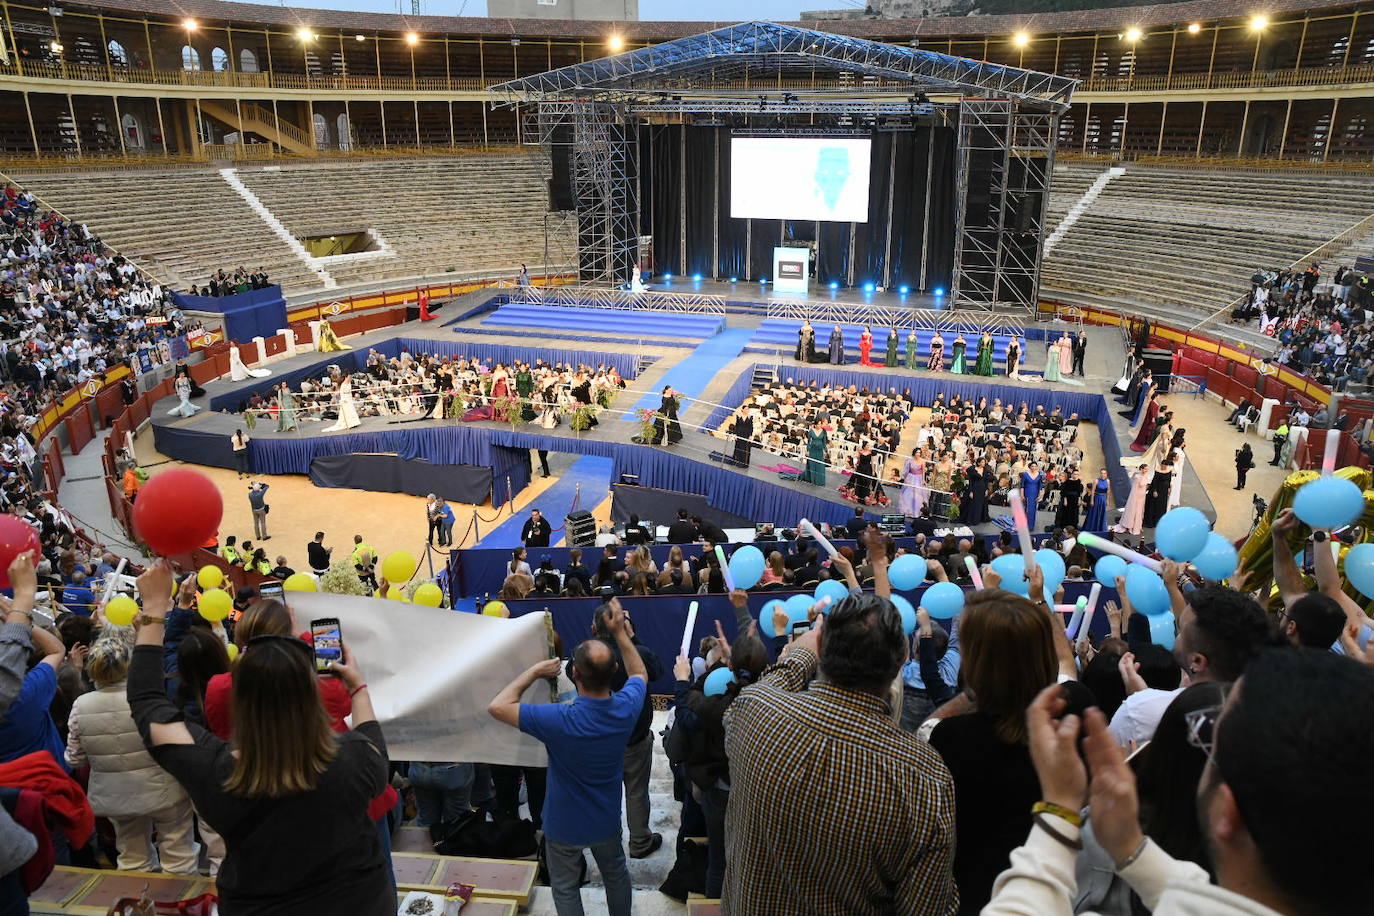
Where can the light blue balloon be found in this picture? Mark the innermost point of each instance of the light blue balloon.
(1359, 568)
(1107, 568)
(717, 681)
(746, 566)
(943, 600)
(1146, 590)
(833, 589)
(1052, 565)
(798, 606)
(1328, 502)
(1012, 568)
(766, 617)
(1218, 559)
(907, 572)
(1182, 533)
(1162, 630)
(908, 614)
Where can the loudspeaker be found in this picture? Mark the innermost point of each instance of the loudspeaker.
(579, 529)
(1161, 366)
(561, 195)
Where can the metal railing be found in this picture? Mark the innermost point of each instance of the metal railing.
(602, 297)
(883, 316)
(1257, 79)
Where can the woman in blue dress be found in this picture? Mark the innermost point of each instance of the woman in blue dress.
(817, 442)
(1032, 482)
(1097, 512)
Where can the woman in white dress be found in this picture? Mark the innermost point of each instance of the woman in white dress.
(1133, 516)
(238, 370)
(348, 414)
(184, 406)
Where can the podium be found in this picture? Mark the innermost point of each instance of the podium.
(791, 270)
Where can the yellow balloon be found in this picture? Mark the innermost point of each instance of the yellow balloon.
(299, 582)
(209, 577)
(215, 604)
(121, 610)
(496, 609)
(429, 594)
(233, 651)
(396, 593)
(398, 567)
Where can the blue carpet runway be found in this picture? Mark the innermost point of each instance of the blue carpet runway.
(591, 471)
(691, 376)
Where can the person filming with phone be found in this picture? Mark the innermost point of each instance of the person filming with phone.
(287, 782)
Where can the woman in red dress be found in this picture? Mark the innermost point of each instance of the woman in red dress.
(865, 345)
(1147, 426)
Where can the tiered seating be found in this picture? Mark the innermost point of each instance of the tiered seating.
(1190, 239)
(781, 334)
(625, 322)
(1067, 185)
(471, 212)
(179, 225)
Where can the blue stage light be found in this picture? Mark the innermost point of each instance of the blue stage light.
(868, 287)
(696, 277)
(763, 279)
(734, 279)
(903, 290)
(668, 277)
(834, 285)
(939, 290)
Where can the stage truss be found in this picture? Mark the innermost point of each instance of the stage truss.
(961, 321)
(610, 298)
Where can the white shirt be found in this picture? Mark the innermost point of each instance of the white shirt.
(1138, 717)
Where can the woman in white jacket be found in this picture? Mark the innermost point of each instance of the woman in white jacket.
(126, 785)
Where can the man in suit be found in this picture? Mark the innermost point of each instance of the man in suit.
(682, 531)
(1080, 352)
(857, 524)
(710, 531)
(536, 530)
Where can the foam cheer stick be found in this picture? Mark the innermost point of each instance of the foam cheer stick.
(725, 569)
(1333, 442)
(973, 572)
(1018, 512)
(113, 581)
(806, 526)
(1076, 609)
(1130, 556)
(691, 625)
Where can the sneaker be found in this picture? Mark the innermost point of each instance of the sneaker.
(654, 846)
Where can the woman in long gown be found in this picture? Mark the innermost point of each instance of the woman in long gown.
(329, 341)
(1032, 482)
(912, 498)
(939, 480)
(936, 363)
(286, 409)
(1052, 373)
(865, 347)
(974, 511)
(1176, 486)
(959, 366)
(669, 430)
(348, 412)
(984, 364)
(1014, 358)
(1148, 426)
(864, 481)
(238, 371)
(500, 384)
(524, 386)
(184, 406)
(806, 342)
(1133, 516)
(1070, 501)
(1066, 355)
(817, 442)
(1097, 510)
(184, 370)
(911, 349)
(890, 359)
(836, 346)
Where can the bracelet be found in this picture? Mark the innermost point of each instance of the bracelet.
(1130, 860)
(1044, 825)
(356, 689)
(149, 618)
(1059, 811)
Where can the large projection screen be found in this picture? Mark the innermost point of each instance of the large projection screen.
(800, 178)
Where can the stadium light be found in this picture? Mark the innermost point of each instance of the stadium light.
(189, 25)
(1194, 28)
(1020, 39)
(1133, 34)
(412, 38)
(304, 34)
(615, 43)
(1259, 22)
(360, 38)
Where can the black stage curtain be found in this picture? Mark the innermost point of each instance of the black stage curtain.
(701, 179)
(463, 483)
(899, 171)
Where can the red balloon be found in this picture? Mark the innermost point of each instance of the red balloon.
(177, 511)
(16, 537)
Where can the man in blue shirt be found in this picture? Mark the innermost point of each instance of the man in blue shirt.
(76, 597)
(917, 700)
(586, 745)
(25, 725)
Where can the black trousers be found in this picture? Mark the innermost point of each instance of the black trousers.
(433, 529)
(506, 780)
(544, 461)
(1278, 449)
(1240, 477)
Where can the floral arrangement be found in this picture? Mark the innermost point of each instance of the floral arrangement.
(647, 416)
(342, 579)
(581, 417)
(506, 410)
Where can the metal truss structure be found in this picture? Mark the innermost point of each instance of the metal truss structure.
(868, 108)
(1002, 181)
(886, 316)
(717, 61)
(588, 296)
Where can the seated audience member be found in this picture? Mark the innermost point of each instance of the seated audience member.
(138, 796)
(919, 700)
(781, 731)
(636, 533)
(26, 726)
(775, 572)
(676, 584)
(287, 782)
(1284, 830)
(76, 596)
(576, 569)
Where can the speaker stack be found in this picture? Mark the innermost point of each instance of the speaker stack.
(579, 529)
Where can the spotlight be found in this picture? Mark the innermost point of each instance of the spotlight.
(868, 287)
(734, 279)
(1020, 39)
(189, 25)
(1194, 28)
(412, 38)
(939, 290)
(668, 277)
(903, 290)
(360, 37)
(55, 46)
(1133, 34)
(304, 34)
(615, 43)
(1259, 22)
(763, 280)
(696, 277)
(834, 285)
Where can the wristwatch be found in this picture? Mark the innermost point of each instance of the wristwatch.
(146, 619)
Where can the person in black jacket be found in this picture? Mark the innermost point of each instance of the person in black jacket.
(639, 751)
(709, 531)
(1245, 460)
(708, 767)
(536, 530)
(318, 554)
(682, 531)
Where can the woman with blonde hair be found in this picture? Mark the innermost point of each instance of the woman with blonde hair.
(676, 561)
(641, 561)
(127, 786)
(775, 572)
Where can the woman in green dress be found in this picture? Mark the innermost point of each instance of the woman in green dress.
(911, 349)
(891, 359)
(524, 386)
(817, 442)
(984, 364)
(960, 365)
